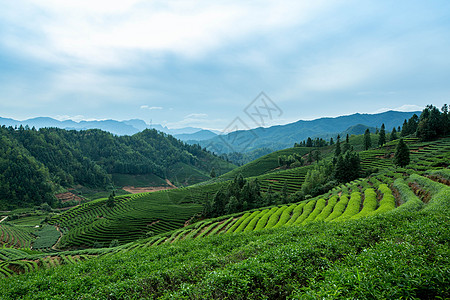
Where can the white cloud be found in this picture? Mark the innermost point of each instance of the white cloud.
(190, 116)
(104, 32)
(405, 108)
(77, 118)
(150, 107)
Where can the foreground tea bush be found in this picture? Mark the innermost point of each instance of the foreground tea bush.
(401, 254)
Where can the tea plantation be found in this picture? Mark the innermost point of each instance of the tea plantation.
(385, 236)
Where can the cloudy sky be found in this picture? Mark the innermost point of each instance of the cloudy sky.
(200, 63)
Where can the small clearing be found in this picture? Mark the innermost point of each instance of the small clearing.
(68, 196)
(136, 190)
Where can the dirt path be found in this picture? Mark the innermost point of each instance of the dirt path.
(3, 219)
(60, 236)
(170, 183)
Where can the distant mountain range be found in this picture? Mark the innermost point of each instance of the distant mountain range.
(284, 136)
(128, 127)
(275, 137)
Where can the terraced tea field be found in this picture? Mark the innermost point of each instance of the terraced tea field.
(13, 236)
(132, 217)
(355, 200)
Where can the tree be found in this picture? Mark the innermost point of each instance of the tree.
(382, 136)
(111, 201)
(401, 157)
(367, 140)
(284, 193)
(213, 173)
(316, 155)
(347, 139)
(393, 134)
(309, 142)
(337, 151)
(331, 141)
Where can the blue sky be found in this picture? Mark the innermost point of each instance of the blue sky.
(200, 63)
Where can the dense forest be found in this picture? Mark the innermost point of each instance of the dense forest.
(31, 160)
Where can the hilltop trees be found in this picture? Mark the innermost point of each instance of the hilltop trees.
(431, 124)
(401, 157)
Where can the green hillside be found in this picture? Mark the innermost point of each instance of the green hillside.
(400, 254)
(34, 163)
(382, 235)
(265, 164)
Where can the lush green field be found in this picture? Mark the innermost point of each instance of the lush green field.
(121, 180)
(14, 236)
(136, 216)
(265, 164)
(402, 253)
(132, 217)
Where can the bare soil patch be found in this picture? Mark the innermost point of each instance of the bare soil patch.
(136, 190)
(68, 196)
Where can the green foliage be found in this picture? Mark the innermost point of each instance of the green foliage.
(387, 203)
(412, 202)
(382, 136)
(444, 173)
(296, 213)
(401, 157)
(15, 236)
(307, 209)
(275, 217)
(367, 140)
(46, 237)
(238, 195)
(285, 216)
(348, 167)
(320, 205)
(369, 205)
(352, 207)
(263, 220)
(390, 256)
(328, 209)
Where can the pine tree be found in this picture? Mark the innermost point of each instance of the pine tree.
(393, 134)
(213, 173)
(382, 136)
(367, 140)
(401, 157)
(347, 139)
(337, 151)
(331, 141)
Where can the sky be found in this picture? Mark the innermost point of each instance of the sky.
(202, 63)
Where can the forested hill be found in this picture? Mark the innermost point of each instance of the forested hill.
(32, 161)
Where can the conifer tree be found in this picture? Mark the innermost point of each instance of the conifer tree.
(382, 136)
(401, 157)
(367, 140)
(393, 134)
(337, 151)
